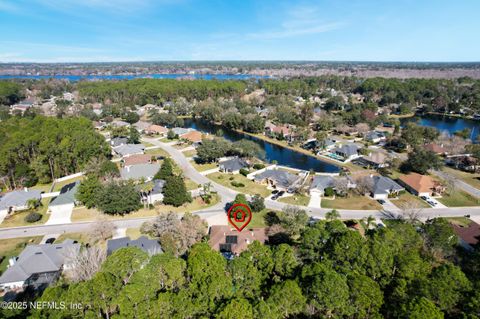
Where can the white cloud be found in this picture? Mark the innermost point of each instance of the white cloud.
(291, 32)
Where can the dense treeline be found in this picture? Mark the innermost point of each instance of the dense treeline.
(330, 271)
(44, 148)
(10, 92)
(143, 91)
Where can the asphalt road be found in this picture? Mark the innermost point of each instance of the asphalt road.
(458, 183)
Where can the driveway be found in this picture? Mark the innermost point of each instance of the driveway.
(389, 206)
(438, 204)
(315, 200)
(60, 214)
(3, 214)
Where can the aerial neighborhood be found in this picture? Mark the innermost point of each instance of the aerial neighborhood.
(334, 172)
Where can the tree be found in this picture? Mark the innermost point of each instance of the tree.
(88, 190)
(237, 308)
(131, 117)
(211, 150)
(175, 192)
(85, 264)
(246, 148)
(171, 135)
(287, 298)
(341, 186)
(117, 198)
(102, 230)
(133, 136)
(439, 236)
(422, 308)
(293, 220)
(166, 170)
(333, 214)
(257, 203)
(365, 295)
(421, 160)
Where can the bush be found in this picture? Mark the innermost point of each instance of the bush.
(258, 166)
(329, 191)
(231, 178)
(244, 171)
(33, 217)
(237, 184)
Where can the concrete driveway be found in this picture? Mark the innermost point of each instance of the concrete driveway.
(60, 214)
(315, 200)
(438, 204)
(3, 214)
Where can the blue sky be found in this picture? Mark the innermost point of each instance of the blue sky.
(154, 30)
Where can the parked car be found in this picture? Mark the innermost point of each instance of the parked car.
(423, 197)
(381, 201)
(50, 241)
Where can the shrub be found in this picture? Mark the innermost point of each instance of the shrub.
(237, 184)
(244, 171)
(329, 191)
(231, 178)
(258, 166)
(33, 217)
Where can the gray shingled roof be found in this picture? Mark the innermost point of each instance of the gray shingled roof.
(117, 141)
(321, 182)
(67, 195)
(281, 177)
(372, 135)
(233, 164)
(385, 185)
(150, 246)
(138, 171)
(19, 198)
(36, 259)
(129, 149)
(347, 149)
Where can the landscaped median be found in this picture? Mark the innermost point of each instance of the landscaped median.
(81, 214)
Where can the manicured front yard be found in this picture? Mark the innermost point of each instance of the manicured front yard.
(406, 198)
(43, 187)
(250, 187)
(80, 237)
(85, 214)
(18, 219)
(296, 199)
(157, 152)
(459, 199)
(352, 202)
(204, 167)
(190, 184)
(190, 153)
(13, 247)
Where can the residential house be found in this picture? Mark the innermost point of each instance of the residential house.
(320, 183)
(347, 152)
(374, 137)
(273, 130)
(117, 141)
(119, 123)
(22, 106)
(468, 235)
(137, 159)
(66, 199)
(136, 172)
(38, 266)
(384, 187)
(99, 125)
(421, 185)
(150, 246)
(126, 150)
(280, 179)
(373, 159)
(141, 126)
(18, 200)
(233, 165)
(434, 147)
(230, 241)
(193, 136)
(157, 130)
(465, 163)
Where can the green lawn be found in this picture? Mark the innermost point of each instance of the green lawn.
(80, 237)
(258, 219)
(352, 202)
(147, 144)
(58, 186)
(13, 247)
(250, 187)
(459, 199)
(461, 221)
(190, 153)
(157, 152)
(85, 214)
(18, 219)
(43, 187)
(166, 140)
(296, 199)
(405, 198)
(190, 184)
(203, 167)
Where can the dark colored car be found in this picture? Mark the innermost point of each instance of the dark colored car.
(50, 241)
(381, 201)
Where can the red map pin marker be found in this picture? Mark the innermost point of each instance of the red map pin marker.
(239, 215)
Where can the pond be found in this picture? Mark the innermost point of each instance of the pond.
(446, 123)
(282, 155)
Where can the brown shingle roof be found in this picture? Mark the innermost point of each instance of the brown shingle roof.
(469, 234)
(437, 149)
(137, 159)
(157, 129)
(420, 183)
(193, 136)
(219, 233)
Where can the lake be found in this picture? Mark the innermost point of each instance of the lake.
(74, 78)
(282, 155)
(446, 123)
